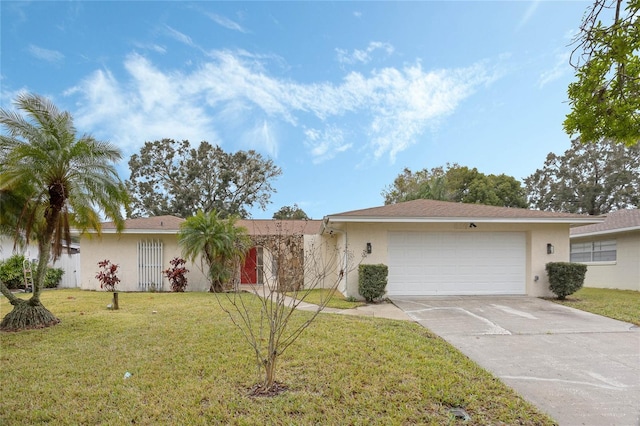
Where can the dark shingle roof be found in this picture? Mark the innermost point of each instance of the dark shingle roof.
(449, 211)
(277, 227)
(616, 221)
(157, 223)
(171, 224)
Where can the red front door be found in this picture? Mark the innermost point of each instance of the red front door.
(249, 273)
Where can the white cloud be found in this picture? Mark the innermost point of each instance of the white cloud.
(45, 54)
(261, 136)
(363, 56)
(149, 106)
(528, 14)
(225, 22)
(384, 110)
(326, 143)
(177, 35)
(151, 46)
(560, 68)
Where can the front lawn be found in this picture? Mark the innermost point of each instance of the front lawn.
(336, 299)
(190, 365)
(623, 305)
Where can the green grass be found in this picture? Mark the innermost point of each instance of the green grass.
(623, 305)
(190, 365)
(336, 300)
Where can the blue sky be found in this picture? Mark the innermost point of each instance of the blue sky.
(341, 95)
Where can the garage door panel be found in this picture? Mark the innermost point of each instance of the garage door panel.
(453, 263)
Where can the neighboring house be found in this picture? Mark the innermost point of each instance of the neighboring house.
(146, 245)
(443, 248)
(69, 260)
(431, 248)
(611, 250)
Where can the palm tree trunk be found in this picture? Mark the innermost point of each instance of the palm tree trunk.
(7, 293)
(44, 249)
(26, 316)
(29, 314)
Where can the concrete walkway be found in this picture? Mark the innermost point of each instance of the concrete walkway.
(380, 310)
(580, 368)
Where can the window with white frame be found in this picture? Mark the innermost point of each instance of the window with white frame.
(594, 251)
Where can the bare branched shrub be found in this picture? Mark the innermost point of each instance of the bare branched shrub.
(294, 264)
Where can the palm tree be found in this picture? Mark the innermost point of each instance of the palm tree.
(61, 181)
(219, 243)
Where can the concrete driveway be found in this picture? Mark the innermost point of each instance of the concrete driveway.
(580, 368)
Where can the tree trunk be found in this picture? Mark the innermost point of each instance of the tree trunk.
(30, 314)
(26, 315)
(7, 293)
(270, 373)
(115, 301)
(269, 363)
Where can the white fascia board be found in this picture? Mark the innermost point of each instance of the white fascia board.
(365, 219)
(607, 232)
(136, 231)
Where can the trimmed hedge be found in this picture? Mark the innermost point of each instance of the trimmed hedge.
(372, 281)
(565, 278)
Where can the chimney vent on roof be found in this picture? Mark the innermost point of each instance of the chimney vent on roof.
(161, 224)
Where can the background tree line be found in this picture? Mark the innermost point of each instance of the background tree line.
(456, 183)
(591, 178)
(170, 177)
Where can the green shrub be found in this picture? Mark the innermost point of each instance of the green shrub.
(11, 272)
(12, 275)
(372, 281)
(53, 277)
(565, 278)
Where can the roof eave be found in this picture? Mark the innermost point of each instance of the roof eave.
(606, 232)
(379, 219)
(136, 231)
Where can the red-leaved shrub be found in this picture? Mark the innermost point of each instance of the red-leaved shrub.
(177, 274)
(107, 276)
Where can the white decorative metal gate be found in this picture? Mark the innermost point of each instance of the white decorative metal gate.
(150, 265)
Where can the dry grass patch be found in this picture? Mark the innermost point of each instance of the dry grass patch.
(190, 365)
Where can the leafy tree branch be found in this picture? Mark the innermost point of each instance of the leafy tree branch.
(605, 99)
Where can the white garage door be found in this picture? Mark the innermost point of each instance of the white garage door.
(456, 263)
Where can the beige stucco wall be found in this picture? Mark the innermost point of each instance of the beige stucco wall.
(322, 261)
(335, 260)
(122, 250)
(537, 236)
(624, 273)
